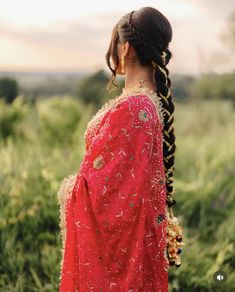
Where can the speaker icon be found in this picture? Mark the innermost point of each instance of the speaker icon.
(220, 277)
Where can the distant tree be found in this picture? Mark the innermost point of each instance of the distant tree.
(92, 89)
(215, 86)
(8, 89)
(182, 86)
(50, 86)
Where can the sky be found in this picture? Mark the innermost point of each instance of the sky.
(71, 35)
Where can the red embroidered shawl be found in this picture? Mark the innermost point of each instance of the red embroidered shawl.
(113, 210)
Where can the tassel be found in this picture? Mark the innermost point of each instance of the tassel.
(174, 239)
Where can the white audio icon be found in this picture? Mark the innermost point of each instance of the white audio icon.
(220, 277)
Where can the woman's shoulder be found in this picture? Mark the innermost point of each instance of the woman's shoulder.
(133, 101)
(143, 106)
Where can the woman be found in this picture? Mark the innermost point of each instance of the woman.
(118, 228)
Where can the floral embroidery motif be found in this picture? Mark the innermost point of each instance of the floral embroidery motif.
(143, 116)
(98, 162)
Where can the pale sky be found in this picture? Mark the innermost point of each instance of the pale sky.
(73, 35)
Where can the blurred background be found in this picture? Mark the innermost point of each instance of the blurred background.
(53, 79)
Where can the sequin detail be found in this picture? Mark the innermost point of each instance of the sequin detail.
(98, 162)
(143, 116)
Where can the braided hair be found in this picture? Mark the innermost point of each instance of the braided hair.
(149, 32)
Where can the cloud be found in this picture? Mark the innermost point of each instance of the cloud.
(215, 8)
(83, 43)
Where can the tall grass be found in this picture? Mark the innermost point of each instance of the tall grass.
(44, 143)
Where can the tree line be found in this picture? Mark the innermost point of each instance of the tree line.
(93, 88)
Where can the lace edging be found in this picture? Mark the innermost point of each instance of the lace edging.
(63, 195)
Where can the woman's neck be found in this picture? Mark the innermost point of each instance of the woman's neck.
(134, 74)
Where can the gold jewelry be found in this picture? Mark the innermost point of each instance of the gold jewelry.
(122, 64)
(136, 85)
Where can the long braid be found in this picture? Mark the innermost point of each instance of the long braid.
(163, 84)
(160, 57)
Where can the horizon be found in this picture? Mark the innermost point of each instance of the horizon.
(82, 72)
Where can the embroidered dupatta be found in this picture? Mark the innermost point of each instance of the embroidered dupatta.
(114, 215)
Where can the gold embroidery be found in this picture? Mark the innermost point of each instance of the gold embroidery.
(98, 162)
(63, 195)
(154, 97)
(97, 118)
(157, 178)
(142, 115)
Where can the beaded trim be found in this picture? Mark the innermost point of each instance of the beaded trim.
(63, 195)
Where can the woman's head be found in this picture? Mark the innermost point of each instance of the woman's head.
(144, 36)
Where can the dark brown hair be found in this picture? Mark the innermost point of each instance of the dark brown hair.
(149, 32)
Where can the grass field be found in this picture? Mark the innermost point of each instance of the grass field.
(43, 143)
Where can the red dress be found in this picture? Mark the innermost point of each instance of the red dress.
(115, 212)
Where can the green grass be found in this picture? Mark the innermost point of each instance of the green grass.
(42, 144)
